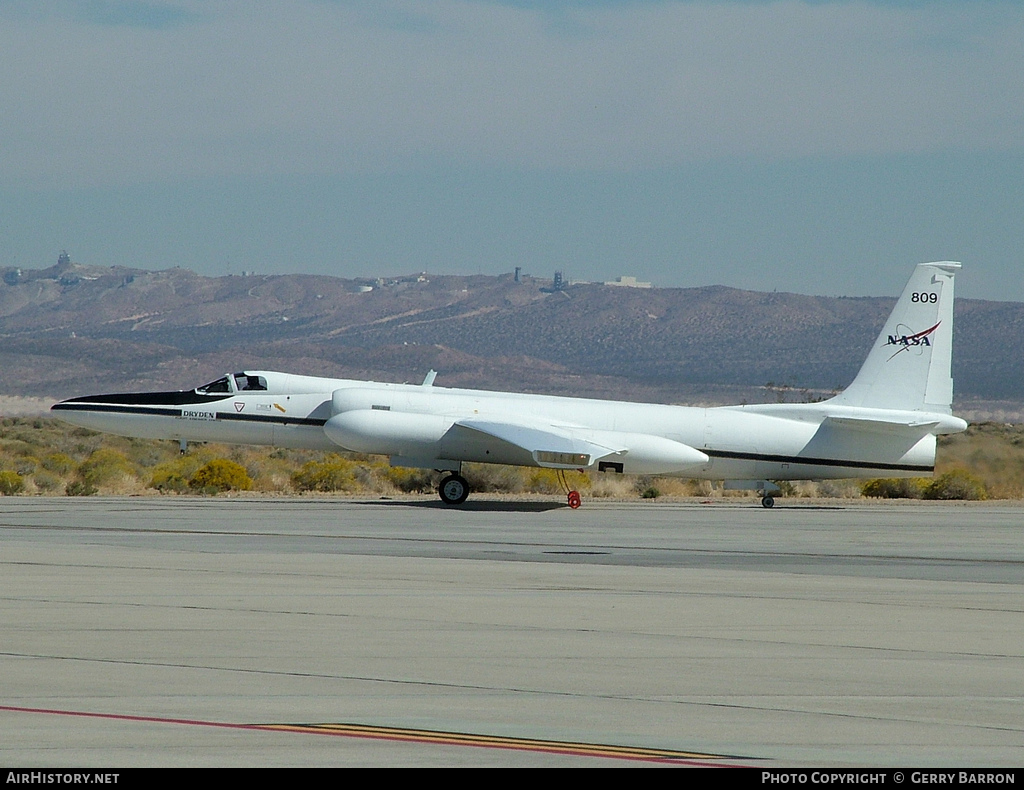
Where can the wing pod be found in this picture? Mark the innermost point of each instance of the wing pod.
(550, 447)
(646, 454)
(387, 432)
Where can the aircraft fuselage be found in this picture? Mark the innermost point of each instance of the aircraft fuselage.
(415, 426)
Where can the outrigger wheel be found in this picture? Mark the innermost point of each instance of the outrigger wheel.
(453, 489)
(574, 499)
(767, 501)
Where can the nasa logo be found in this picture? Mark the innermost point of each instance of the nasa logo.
(907, 339)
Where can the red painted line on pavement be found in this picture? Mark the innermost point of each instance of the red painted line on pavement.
(371, 732)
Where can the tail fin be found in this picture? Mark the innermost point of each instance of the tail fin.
(908, 368)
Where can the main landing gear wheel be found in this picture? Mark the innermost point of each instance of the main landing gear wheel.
(453, 490)
(767, 501)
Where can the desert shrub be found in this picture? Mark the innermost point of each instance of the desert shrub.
(270, 472)
(45, 481)
(610, 484)
(840, 488)
(272, 479)
(169, 477)
(994, 452)
(146, 454)
(894, 488)
(78, 488)
(174, 475)
(786, 487)
(220, 474)
(957, 484)
(692, 487)
(16, 446)
(410, 480)
(26, 465)
(805, 488)
(105, 466)
(11, 482)
(543, 481)
(652, 487)
(546, 481)
(494, 478)
(334, 473)
(59, 463)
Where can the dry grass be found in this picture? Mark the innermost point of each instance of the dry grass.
(51, 458)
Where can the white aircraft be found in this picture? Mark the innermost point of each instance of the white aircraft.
(883, 425)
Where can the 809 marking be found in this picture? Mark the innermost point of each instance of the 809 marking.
(924, 297)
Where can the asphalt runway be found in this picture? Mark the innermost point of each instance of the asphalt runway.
(280, 632)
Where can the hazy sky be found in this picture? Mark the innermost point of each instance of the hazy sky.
(818, 147)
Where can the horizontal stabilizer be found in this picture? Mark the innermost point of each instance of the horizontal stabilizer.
(880, 426)
(925, 423)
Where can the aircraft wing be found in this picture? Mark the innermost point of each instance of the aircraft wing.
(550, 446)
(576, 447)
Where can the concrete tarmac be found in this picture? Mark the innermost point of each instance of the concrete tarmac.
(171, 631)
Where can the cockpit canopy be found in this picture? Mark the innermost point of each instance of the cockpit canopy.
(236, 382)
(248, 382)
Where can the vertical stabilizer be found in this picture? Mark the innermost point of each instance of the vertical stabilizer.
(909, 365)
